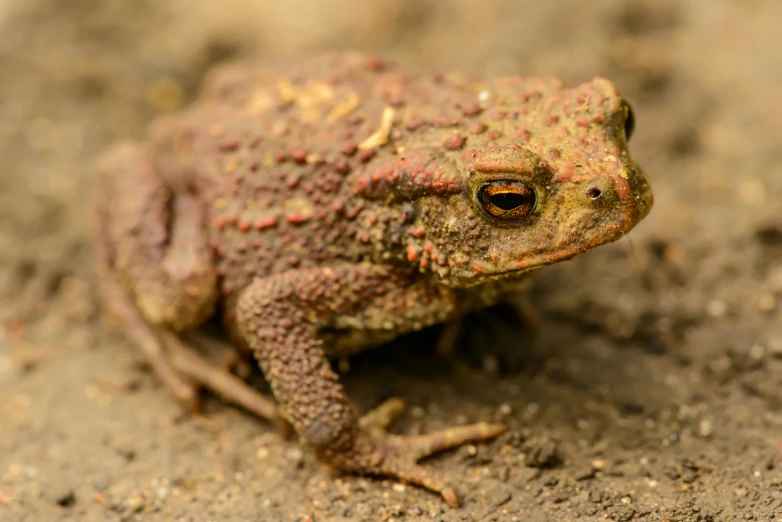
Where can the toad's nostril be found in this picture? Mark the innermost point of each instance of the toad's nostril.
(594, 192)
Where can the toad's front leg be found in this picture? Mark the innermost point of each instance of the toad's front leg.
(280, 317)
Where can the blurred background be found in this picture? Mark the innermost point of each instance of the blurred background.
(652, 391)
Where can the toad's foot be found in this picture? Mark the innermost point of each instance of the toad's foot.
(179, 366)
(384, 415)
(215, 378)
(377, 452)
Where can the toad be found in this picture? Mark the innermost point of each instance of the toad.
(329, 205)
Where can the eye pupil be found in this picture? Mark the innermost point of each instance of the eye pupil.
(507, 200)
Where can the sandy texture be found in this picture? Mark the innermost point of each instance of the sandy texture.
(651, 391)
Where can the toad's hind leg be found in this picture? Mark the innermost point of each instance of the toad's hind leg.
(156, 277)
(143, 335)
(180, 367)
(221, 382)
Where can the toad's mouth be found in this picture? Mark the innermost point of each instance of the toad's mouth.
(529, 266)
(539, 259)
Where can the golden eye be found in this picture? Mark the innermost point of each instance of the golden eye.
(629, 119)
(507, 199)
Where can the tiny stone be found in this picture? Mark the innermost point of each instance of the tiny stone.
(716, 308)
(294, 454)
(705, 428)
(767, 302)
(66, 500)
(757, 351)
(542, 453)
(585, 473)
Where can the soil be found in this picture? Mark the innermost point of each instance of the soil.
(651, 390)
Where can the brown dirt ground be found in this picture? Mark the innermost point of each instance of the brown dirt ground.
(651, 392)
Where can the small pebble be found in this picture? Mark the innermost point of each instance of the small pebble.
(705, 428)
(716, 308)
(767, 302)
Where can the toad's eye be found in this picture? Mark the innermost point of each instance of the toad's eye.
(629, 118)
(507, 199)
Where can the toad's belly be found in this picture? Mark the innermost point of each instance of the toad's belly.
(353, 334)
(374, 324)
